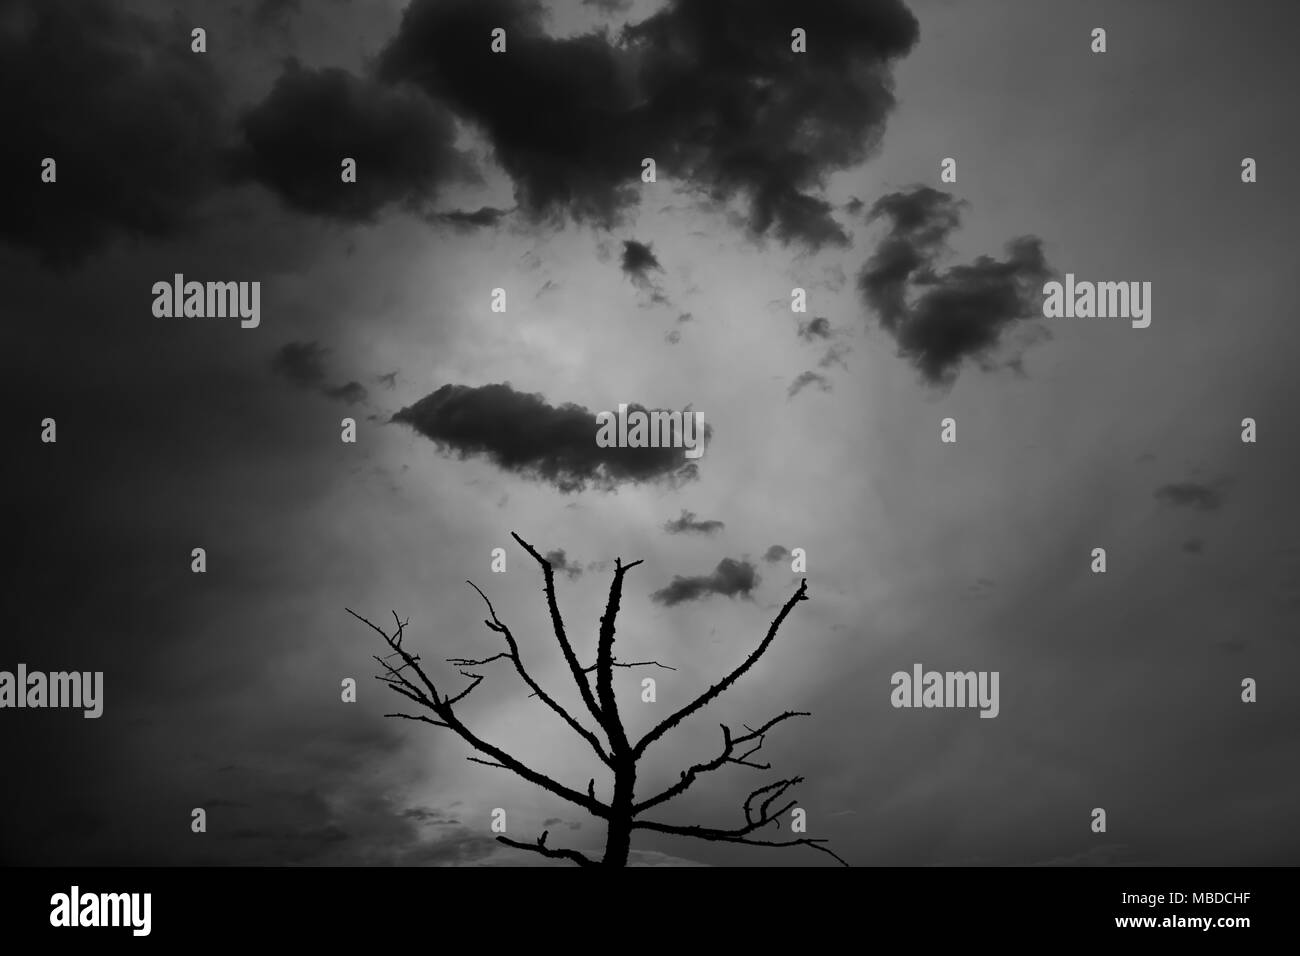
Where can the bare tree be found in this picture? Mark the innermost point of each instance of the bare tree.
(623, 813)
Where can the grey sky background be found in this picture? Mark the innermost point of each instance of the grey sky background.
(1119, 690)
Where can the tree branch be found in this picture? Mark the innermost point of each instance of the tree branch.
(729, 745)
(613, 723)
(742, 835)
(513, 655)
(442, 708)
(557, 624)
(674, 719)
(541, 847)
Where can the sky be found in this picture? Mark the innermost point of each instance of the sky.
(521, 171)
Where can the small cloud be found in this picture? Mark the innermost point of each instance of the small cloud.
(818, 328)
(560, 562)
(776, 553)
(302, 364)
(464, 219)
(687, 523)
(834, 356)
(808, 378)
(638, 262)
(352, 393)
(1190, 494)
(729, 578)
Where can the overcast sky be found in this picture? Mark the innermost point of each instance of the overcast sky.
(775, 170)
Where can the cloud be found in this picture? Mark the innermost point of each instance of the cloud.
(351, 393)
(133, 119)
(776, 553)
(430, 816)
(687, 523)
(523, 434)
(959, 313)
(638, 261)
(560, 562)
(804, 379)
(464, 219)
(1193, 546)
(296, 138)
(818, 328)
(834, 356)
(1191, 494)
(303, 364)
(709, 88)
(729, 578)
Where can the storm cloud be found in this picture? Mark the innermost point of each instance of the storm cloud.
(958, 314)
(523, 434)
(710, 89)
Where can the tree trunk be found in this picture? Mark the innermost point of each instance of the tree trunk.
(618, 840)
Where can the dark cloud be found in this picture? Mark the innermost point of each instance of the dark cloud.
(776, 553)
(296, 139)
(276, 14)
(688, 523)
(957, 314)
(552, 822)
(672, 337)
(818, 328)
(520, 433)
(351, 393)
(303, 364)
(431, 816)
(561, 563)
(804, 379)
(638, 261)
(388, 380)
(709, 88)
(609, 6)
(465, 219)
(132, 118)
(1193, 546)
(729, 578)
(1191, 494)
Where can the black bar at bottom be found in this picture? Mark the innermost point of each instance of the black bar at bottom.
(559, 908)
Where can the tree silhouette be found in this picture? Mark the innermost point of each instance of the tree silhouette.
(623, 812)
